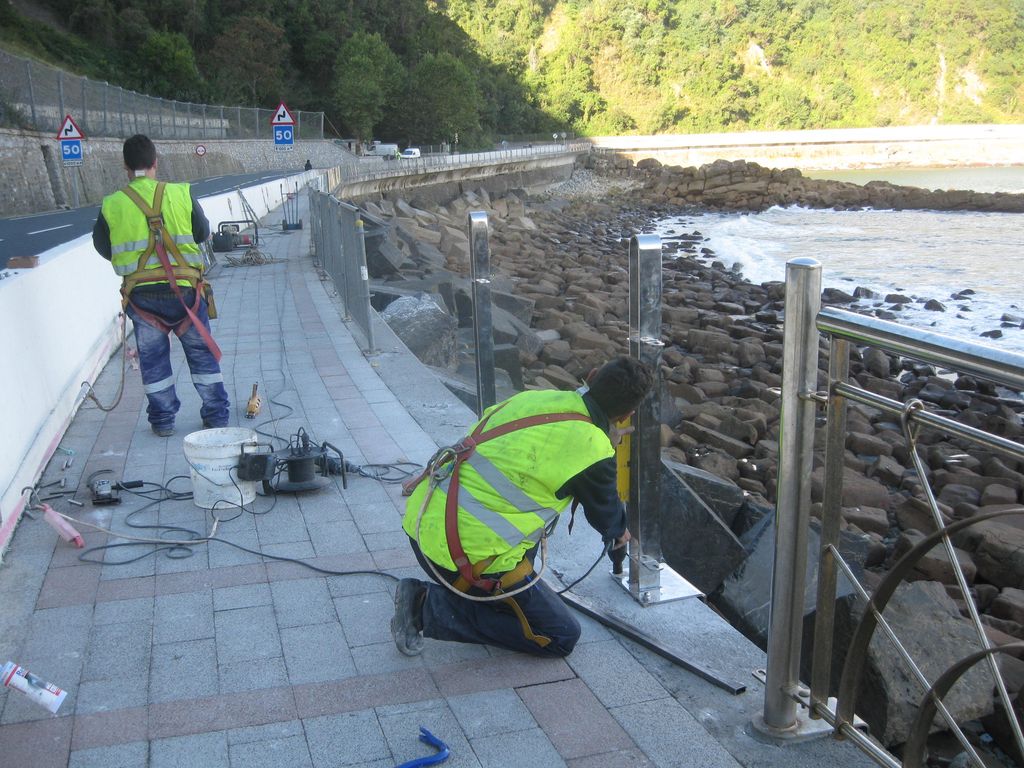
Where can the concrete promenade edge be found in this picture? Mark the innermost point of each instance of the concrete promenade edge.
(225, 659)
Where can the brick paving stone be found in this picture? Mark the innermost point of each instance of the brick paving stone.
(183, 616)
(344, 739)
(529, 747)
(41, 744)
(241, 596)
(282, 527)
(302, 601)
(137, 610)
(118, 651)
(388, 540)
(281, 730)
(573, 719)
(242, 676)
(113, 694)
(401, 724)
(316, 653)
(390, 559)
(209, 750)
(183, 670)
(107, 728)
(613, 674)
(339, 537)
(290, 751)
(382, 658)
(357, 584)
(220, 713)
(376, 517)
(491, 712)
(124, 589)
(295, 550)
(366, 618)
(645, 721)
(68, 586)
(490, 674)
(360, 692)
(247, 634)
(625, 758)
(134, 755)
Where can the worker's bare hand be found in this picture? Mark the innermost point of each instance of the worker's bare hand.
(622, 540)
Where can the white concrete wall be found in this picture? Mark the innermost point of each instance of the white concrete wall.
(58, 327)
(833, 149)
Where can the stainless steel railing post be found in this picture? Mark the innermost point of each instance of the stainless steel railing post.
(364, 282)
(649, 580)
(799, 380)
(483, 332)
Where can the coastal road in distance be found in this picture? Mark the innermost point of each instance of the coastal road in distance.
(37, 232)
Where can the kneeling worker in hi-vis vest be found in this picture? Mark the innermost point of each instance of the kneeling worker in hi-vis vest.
(482, 508)
(150, 232)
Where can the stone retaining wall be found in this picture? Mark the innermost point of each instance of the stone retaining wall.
(30, 165)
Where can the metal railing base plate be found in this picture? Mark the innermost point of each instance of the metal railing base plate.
(804, 729)
(666, 588)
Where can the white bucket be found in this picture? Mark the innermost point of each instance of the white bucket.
(213, 456)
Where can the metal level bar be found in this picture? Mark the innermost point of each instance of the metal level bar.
(652, 644)
(796, 443)
(483, 326)
(929, 419)
(998, 365)
(835, 452)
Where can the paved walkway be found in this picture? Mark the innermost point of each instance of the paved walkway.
(224, 658)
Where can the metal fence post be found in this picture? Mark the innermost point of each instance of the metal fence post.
(238, 123)
(364, 282)
(793, 499)
(106, 92)
(85, 108)
(202, 133)
(60, 94)
(256, 114)
(120, 108)
(31, 94)
(298, 124)
(483, 331)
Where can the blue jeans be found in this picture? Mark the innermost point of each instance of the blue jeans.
(447, 616)
(155, 360)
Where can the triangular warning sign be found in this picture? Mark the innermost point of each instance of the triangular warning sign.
(69, 129)
(282, 116)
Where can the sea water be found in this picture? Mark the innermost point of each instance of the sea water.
(921, 254)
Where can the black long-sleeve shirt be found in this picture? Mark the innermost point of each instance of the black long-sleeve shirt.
(101, 230)
(595, 489)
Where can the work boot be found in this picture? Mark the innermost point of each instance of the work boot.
(407, 623)
(163, 431)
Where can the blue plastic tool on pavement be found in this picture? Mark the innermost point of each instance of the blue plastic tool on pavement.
(428, 738)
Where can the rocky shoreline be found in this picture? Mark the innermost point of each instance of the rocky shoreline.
(561, 299)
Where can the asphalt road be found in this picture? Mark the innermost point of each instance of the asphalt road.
(32, 234)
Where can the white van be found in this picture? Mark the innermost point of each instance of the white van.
(411, 152)
(387, 151)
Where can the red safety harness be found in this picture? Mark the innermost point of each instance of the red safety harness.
(160, 241)
(472, 573)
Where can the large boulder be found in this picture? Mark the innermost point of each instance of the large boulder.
(930, 627)
(425, 328)
(695, 541)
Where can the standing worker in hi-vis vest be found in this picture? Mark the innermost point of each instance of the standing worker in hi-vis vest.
(482, 508)
(150, 232)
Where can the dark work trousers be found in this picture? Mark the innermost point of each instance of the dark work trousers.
(447, 616)
(155, 359)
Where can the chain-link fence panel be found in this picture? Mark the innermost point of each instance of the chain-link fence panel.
(37, 96)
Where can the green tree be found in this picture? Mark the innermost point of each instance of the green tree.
(367, 77)
(248, 61)
(442, 100)
(164, 65)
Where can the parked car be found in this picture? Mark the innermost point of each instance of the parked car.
(378, 149)
(411, 152)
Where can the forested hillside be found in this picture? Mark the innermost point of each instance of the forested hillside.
(422, 70)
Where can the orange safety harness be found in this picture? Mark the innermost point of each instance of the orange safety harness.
(160, 242)
(471, 574)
